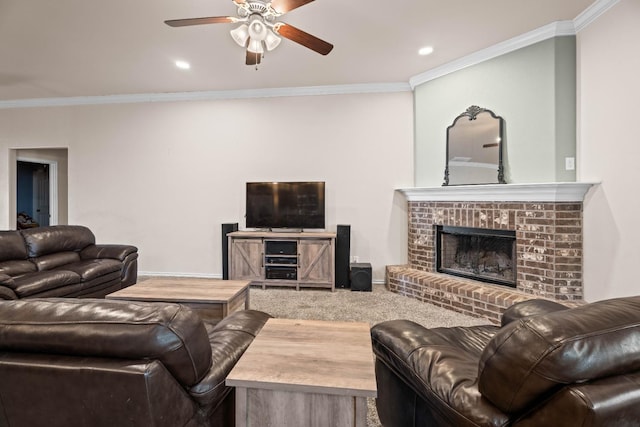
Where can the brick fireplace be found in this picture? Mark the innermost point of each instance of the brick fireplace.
(546, 219)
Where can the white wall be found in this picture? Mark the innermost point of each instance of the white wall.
(609, 150)
(164, 176)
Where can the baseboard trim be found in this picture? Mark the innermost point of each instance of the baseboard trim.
(146, 274)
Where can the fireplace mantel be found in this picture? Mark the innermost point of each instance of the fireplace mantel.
(539, 192)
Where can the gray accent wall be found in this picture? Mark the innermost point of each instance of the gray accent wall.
(533, 89)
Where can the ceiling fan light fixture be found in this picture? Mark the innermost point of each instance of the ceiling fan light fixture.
(255, 46)
(240, 35)
(257, 29)
(271, 40)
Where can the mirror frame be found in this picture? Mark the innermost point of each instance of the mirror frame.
(472, 114)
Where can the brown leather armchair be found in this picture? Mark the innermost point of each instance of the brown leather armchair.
(547, 365)
(87, 362)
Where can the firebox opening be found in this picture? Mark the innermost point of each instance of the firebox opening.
(477, 253)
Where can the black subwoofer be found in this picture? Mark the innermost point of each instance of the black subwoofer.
(361, 277)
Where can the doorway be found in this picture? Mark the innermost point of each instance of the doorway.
(34, 193)
(56, 161)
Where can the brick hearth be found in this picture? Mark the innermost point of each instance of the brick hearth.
(548, 251)
(462, 295)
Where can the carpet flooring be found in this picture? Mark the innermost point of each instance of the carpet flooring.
(372, 307)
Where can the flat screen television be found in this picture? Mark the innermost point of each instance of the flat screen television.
(285, 205)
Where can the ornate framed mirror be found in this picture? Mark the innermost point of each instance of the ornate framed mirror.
(474, 148)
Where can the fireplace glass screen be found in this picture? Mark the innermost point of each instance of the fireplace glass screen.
(476, 253)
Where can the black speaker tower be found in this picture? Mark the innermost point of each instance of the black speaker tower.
(343, 247)
(226, 228)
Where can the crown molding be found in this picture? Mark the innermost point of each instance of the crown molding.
(208, 95)
(555, 29)
(592, 13)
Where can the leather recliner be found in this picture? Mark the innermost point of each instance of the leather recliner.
(103, 363)
(546, 365)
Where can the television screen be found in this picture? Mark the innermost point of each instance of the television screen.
(285, 205)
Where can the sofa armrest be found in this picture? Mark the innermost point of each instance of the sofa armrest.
(6, 285)
(616, 398)
(119, 252)
(428, 376)
(5, 279)
(229, 339)
(532, 307)
(7, 294)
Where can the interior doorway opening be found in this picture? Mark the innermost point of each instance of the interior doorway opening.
(33, 194)
(41, 187)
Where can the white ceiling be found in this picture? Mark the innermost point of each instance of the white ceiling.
(65, 48)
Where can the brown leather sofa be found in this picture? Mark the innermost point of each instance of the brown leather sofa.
(546, 365)
(62, 261)
(68, 362)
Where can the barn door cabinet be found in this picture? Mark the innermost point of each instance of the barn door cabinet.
(283, 259)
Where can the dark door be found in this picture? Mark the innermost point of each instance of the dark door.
(32, 194)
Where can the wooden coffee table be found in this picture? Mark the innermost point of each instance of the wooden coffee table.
(212, 299)
(308, 373)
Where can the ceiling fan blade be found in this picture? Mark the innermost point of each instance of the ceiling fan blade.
(284, 6)
(305, 39)
(253, 58)
(200, 21)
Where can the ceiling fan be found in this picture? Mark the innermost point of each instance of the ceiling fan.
(259, 28)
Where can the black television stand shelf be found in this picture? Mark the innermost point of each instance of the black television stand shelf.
(292, 259)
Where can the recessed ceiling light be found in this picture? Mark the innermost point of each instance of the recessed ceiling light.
(183, 65)
(427, 50)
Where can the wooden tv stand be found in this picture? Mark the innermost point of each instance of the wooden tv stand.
(305, 259)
